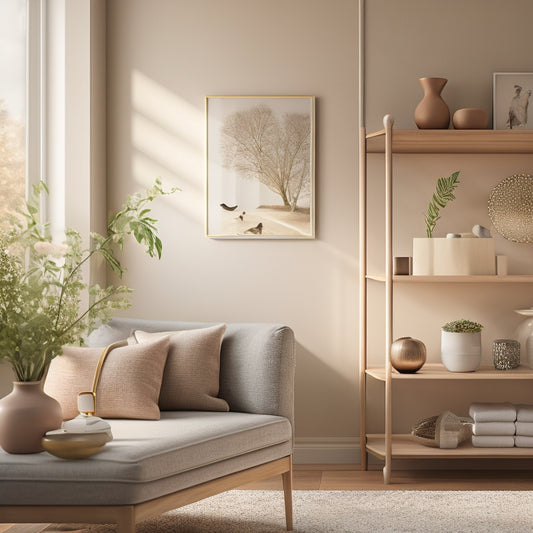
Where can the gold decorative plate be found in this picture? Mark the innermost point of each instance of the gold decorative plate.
(511, 208)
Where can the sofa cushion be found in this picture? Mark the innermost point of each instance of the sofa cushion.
(191, 379)
(129, 383)
(147, 459)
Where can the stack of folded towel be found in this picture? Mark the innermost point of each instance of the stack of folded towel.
(494, 425)
(524, 426)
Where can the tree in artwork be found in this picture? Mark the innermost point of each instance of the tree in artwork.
(273, 150)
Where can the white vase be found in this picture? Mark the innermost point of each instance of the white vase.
(461, 352)
(524, 334)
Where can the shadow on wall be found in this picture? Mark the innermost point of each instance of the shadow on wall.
(324, 398)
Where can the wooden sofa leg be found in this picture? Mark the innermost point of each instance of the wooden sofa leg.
(126, 521)
(287, 492)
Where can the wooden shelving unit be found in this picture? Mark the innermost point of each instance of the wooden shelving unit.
(388, 142)
(453, 142)
(436, 371)
(455, 279)
(404, 447)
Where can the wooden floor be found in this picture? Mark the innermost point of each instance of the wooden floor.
(341, 477)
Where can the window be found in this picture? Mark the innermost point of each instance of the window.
(13, 109)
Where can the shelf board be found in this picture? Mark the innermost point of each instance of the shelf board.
(453, 141)
(438, 371)
(405, 447)
(523, 278)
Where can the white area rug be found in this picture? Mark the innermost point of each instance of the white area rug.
(346, 512)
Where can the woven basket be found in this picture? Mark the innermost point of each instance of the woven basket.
(443, 431)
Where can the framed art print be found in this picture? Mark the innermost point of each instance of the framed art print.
(512, 95)
(260, 167)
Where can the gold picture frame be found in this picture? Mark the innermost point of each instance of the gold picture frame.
(260, 153)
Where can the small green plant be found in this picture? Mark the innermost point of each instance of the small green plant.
(442, 195)
(462, 326)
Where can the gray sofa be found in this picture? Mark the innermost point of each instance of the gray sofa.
(154, 466)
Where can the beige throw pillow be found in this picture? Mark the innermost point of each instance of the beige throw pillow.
(129, 383)
(191, 379)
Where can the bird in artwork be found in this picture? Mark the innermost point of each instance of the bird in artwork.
(257, 230)
(241, 216)
(228, 208)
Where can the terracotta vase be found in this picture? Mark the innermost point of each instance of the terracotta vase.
(432, 113)
(408, 355)
(26, 414)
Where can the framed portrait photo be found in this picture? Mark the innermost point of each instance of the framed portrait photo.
(511, 97)
(260, 167)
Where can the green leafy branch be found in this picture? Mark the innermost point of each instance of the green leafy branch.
(442, 195)
(41, 281)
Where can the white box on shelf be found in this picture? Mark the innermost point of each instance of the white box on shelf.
(453, 257)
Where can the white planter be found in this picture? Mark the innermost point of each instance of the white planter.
(461, 352)
(453, 257)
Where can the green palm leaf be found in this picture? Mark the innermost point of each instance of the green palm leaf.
(442, 195)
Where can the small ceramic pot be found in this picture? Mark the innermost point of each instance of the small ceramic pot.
(407, 355)
(470, 118)
(461, 352)
(506, 354)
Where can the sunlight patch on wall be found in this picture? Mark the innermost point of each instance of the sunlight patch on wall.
(167, 151)
(168, 110)
(167, 135)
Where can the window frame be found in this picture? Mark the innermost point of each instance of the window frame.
(35, 53)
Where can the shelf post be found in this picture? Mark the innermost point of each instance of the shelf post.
(363, 358)
(362, 296)
(388, 122)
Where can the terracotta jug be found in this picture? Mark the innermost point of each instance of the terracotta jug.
(26, 414)
(432, 113)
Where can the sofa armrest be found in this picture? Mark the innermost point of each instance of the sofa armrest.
(257, 369)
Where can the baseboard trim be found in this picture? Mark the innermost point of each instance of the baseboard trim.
(327, 450)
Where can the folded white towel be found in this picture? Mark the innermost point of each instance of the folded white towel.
(524, 428)
(493, 412)
(493, 441)
(520, 441)
(494, 428)
(524, 413)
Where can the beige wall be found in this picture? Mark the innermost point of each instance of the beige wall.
(464, 41)
(164, 57)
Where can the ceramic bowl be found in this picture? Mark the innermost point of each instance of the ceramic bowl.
(74, 445)
(470, 118)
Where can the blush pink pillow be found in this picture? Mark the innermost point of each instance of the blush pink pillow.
(191, 380)
(129, 384)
